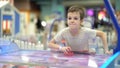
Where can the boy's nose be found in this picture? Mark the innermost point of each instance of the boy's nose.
(72, 21)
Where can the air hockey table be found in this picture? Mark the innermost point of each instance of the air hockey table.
(50, 59)
(12, 56)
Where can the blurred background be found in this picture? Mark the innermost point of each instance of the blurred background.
(37, 21)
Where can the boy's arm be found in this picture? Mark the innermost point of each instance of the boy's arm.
(53, 45)
(103, 36)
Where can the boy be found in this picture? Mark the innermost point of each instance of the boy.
(75, 37)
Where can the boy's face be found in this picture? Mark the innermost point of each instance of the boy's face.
(73, 20)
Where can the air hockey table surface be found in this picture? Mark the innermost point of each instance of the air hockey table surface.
(50, 59)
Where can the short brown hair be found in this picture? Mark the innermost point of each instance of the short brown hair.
(81, 10)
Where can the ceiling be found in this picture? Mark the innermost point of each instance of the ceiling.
(72, 2)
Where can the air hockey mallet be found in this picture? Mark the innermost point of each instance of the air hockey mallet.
(70, 53)
(111, 12)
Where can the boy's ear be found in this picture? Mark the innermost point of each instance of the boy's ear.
(81, 20)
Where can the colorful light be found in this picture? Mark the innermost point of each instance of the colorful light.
(90, 12)
(101, 15)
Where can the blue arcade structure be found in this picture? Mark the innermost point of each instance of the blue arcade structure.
(9, 19)
(114, 61)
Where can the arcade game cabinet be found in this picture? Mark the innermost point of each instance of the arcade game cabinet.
(9, 19)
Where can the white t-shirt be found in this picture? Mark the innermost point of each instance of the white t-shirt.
(79, 42)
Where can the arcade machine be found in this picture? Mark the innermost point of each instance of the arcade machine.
(114, 61)
(9, 19)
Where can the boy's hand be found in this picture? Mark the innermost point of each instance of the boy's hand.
(67, 51)
(108, 52)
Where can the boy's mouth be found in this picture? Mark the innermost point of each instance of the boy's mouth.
(72, 24)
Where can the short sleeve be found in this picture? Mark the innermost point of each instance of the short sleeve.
(91, 33)
(58, 37)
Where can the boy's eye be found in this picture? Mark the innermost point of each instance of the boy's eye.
(69, 18)
(76, 18)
